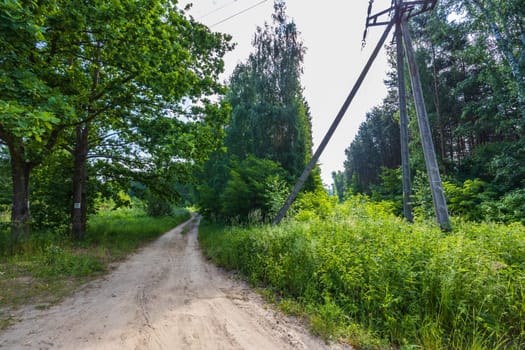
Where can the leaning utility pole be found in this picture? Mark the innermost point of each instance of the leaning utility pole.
(280, 215)
(436, 187)
(403, 11)
(403, 126)
(377, 20)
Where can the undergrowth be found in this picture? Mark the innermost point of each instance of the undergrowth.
(48, 265)
(368, 278)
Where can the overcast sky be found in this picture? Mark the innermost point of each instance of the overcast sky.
(331, 31)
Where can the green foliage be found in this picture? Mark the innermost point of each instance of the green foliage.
(375, 147)
(473, 201)
(108, 83)
(268, 137)
(462, 200)
(363, 274)
(5, 179)
(509, 208)
(465, 201)
(270, 118)
(214, 177)
(124, 230)
(276, 192)
(158, 205)
(119, 231)
(56, 261)
(422, 197)
(249, 185)
(469, 54)
(390, 188)
(316, 204)
(340, 185)
(51, 193)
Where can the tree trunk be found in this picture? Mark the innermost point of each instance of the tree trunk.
(20, 214)
(79, 210)
(437, 104)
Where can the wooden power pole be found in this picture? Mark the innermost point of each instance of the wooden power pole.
(403, 126)
(403, 11)
(436, 186)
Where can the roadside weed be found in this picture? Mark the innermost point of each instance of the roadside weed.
(362, 273)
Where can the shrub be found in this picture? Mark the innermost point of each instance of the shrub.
(252, 185)
(314, 204)
(510, 208)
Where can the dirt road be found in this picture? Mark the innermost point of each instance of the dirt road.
(167, 296)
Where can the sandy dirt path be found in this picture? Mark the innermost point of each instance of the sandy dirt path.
(166, 296)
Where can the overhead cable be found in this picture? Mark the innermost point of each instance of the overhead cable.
(238, 13)
(217, 9)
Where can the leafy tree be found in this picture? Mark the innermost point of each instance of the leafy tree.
(505, 21)
(119, 72)
(466, 200)
(139, 61)
(467, 98)
(214, 177)
(390, 188)
(33, 109)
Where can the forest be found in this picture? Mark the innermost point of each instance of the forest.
(113, 118)
(472, 59)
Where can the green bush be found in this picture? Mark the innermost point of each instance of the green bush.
(364, 271)
(314, 204)
(465, 201)
(510, 208)
(250, 187)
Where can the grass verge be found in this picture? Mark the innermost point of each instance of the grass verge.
(48, 266)
(368, 278)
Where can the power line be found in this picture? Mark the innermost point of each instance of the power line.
(238, 13)
(216, 10)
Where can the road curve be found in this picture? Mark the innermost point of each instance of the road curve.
(166, 296)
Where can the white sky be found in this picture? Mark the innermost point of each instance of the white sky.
(331, 31)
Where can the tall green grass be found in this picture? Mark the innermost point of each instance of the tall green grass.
(367, 277)
(122, 231)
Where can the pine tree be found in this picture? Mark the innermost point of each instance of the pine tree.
(270, 117)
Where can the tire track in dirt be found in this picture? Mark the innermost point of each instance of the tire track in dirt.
(166, 296)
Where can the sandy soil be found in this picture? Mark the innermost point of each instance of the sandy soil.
(167, 296)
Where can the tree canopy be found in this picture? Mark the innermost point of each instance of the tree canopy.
(270, 121)
(124, 82)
